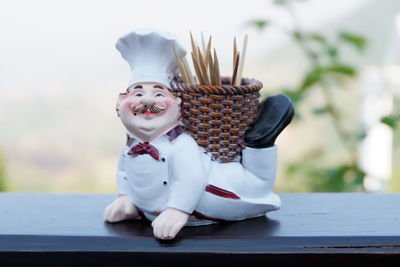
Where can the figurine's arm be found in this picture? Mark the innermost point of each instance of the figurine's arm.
(122, 187)
(121, 208)
(189, 178)
(187, 187)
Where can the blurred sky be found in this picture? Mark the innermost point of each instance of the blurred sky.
(60, 73)
(43, 40)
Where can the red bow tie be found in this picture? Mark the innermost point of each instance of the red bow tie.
(144, 148)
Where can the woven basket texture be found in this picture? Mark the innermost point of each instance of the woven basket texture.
(218, 116)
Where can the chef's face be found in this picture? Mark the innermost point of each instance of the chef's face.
(148, 110)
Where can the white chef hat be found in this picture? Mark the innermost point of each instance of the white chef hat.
(150, 56)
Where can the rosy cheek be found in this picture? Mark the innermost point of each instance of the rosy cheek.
(128, 104)
(168, 102)
(164, 103)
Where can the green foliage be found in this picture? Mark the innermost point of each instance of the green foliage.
(341, 68)
(393, 121)
(319, 73)
(322, 110)
(295, 95)
(2, 173)
(362, 133)
(316, 176)
(259, 23)
(339, 178)
(326, 71)
(318, 38)
(357, 41)
(311, 78)
(281, 2)
(346, 177)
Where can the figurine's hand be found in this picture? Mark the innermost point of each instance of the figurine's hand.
(169, 223)
(120, 209)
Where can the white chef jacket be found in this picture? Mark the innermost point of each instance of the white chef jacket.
(187, 179)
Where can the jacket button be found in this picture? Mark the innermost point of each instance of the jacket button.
(165, 183)
(125, 178)
(163, 159)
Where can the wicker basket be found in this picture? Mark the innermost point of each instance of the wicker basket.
(217, 116)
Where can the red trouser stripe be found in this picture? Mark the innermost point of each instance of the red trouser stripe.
(221, 192)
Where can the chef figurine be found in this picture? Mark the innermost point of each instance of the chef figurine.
(163, 174)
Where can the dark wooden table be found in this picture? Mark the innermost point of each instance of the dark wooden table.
(312, 229)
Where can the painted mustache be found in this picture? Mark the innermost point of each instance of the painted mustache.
(151, 108)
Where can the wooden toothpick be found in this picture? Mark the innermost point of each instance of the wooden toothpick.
(194, 45)
(211, 69)
(180, 66)
(203, 68)
(216, 69)
(235, 52)
(207, 52)
(203, 43)
(235, 69)
(197, 69)
(241, 63)
(188, 71)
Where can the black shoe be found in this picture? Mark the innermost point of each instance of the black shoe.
(276, 113)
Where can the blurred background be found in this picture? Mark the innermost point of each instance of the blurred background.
(339, 61)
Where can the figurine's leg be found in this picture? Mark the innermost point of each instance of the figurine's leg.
(261, 162)
(259, 157)
(239, 191)
(276, 113)
(120, 209)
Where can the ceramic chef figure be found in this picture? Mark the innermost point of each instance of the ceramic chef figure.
(163, 174)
